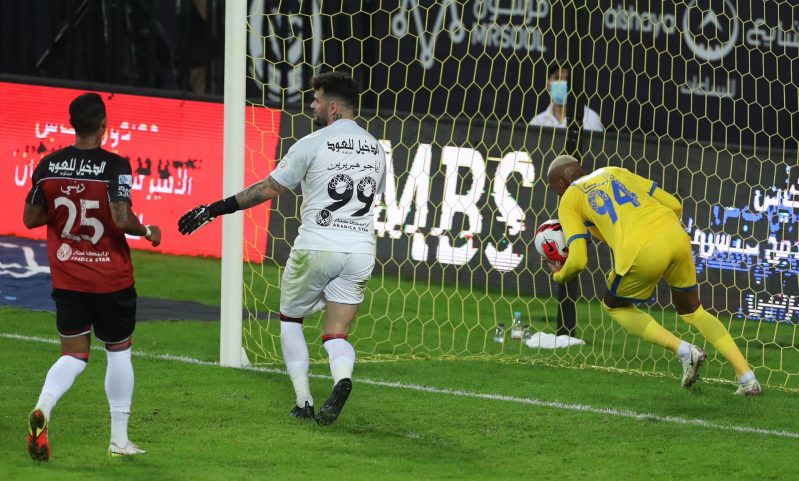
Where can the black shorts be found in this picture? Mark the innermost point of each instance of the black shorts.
(113, 315)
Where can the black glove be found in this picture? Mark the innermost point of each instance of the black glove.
(194, 219)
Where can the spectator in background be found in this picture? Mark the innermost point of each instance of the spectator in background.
(556, 114)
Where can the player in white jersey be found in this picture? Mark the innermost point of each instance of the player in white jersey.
(340, 168)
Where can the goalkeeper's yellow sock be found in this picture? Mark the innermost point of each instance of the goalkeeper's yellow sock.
(641, 324)
(716, 334)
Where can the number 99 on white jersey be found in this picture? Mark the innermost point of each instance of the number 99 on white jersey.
(341, 169)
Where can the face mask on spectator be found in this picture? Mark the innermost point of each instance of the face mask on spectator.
(558, 90)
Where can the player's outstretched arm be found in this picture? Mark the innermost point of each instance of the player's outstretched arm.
(253, 195)
(126, 220)
(259, 192)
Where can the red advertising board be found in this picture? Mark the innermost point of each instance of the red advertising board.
(175, 152)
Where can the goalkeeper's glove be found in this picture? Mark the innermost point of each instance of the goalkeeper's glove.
(194, 219)
(203, 214)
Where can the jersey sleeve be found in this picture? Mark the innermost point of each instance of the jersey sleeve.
(668, 200)
(120, 183)
(576, 233)
(292, 168)
(660, 195)
(571, 218)
(36, 193)
(639, 184)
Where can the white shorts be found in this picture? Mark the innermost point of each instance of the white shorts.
(312, 278)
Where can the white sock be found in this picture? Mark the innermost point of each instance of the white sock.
(58, 381)
(295, 354)
(746, 377)
(119, 390)
(684, 351)
(342, 358)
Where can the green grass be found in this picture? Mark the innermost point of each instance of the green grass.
(200, 422)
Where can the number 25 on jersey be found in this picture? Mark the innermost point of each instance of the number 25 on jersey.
(85, 220)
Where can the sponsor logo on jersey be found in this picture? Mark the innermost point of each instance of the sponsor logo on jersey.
(64, 252)
(324, 218)
(90, 256)
(126, 180)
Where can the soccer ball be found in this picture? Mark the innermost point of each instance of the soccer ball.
(550, 242)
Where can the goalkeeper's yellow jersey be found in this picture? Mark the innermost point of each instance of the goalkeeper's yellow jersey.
(617, 206)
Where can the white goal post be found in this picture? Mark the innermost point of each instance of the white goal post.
(230, 350)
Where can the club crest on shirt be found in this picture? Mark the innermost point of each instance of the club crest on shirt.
(324, 218)
(64, 252)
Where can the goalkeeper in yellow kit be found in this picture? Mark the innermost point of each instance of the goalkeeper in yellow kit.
(641, 224)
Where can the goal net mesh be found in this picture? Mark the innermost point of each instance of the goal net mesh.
(450, 88)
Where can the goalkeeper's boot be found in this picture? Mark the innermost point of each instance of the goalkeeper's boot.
(332, 407)
(302, 412)
(749, 388)
(38, 445)
(129, 449)
(690, 366)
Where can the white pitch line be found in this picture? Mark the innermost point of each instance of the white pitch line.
(624, 413)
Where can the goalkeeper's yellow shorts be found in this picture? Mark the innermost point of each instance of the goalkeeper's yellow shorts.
(668, 256)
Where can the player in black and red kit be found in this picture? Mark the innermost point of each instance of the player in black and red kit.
(82, 194)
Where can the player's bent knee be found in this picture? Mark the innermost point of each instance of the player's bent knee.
(118, 346)
(329, 337)
(611, 309)
(285, 318)
(691, 317)
(82, 356)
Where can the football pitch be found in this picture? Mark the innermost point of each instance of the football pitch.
(416, 419)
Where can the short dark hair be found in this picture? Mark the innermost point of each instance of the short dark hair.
(86, 113)
(555, 68)
(339, 85)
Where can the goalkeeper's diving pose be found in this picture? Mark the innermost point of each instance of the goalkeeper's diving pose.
(340, 168)
(641, 224)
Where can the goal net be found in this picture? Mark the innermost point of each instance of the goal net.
(463, 97)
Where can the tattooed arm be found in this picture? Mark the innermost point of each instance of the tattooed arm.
(251, 196)
(259, 192)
